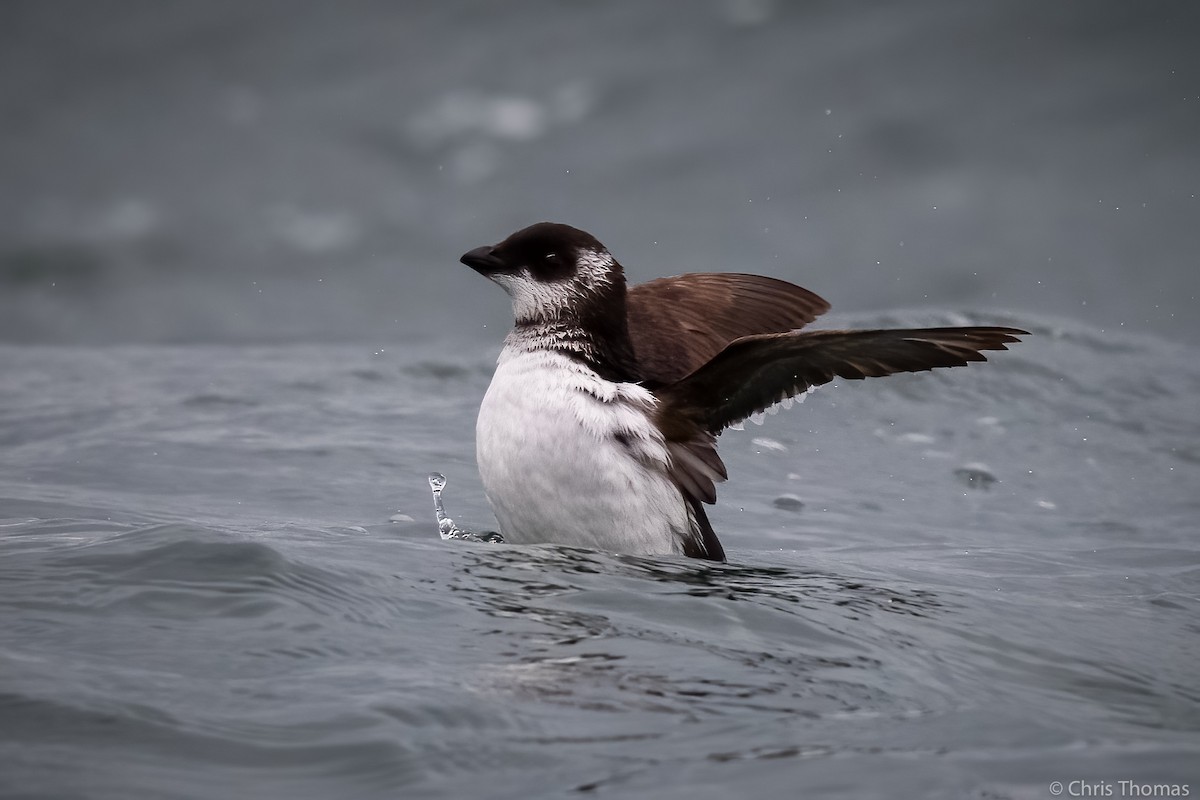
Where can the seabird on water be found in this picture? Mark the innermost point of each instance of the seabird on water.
(600, 426)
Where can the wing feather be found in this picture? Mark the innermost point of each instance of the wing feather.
(755, 372)
(702, 541)
(678, 324)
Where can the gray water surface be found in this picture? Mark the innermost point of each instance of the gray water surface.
(204, 593)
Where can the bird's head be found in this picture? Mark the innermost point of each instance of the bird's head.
(551, 271)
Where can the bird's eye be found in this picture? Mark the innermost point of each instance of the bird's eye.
(551, 256)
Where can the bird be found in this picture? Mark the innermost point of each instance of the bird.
(599, 427)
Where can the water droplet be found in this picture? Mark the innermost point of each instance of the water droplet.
(976, 476)
(789, 502)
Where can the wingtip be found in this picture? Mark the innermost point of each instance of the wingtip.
(1007, 336)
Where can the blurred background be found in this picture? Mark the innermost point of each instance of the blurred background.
(293, 170)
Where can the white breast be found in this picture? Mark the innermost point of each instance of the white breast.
(554, 468)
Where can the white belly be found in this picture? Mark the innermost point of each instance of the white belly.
(554, 470)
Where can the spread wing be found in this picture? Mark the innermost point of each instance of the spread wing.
(755, 372)
(678, 324)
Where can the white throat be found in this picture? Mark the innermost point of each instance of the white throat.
(534, 300)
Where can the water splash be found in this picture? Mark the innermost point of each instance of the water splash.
(446, 527)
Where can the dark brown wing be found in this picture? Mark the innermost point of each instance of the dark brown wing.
(678, 324)
(703, 542)
(755, 372)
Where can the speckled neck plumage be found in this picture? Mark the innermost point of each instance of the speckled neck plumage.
(594, 331)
